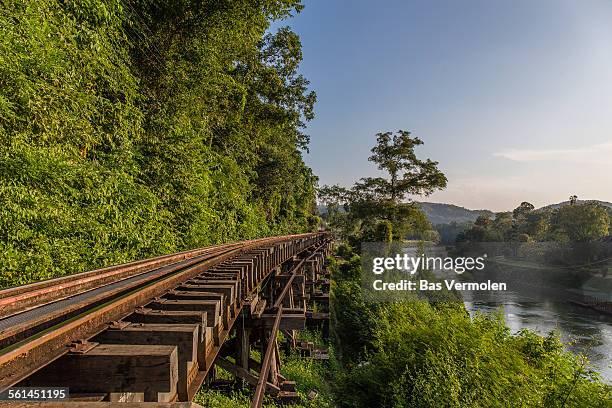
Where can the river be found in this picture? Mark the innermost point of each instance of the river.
(583, 330)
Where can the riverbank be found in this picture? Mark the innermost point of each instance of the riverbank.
(431, 354)
(583, 331)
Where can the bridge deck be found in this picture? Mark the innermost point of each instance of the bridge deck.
(174, 313)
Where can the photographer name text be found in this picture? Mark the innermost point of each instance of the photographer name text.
(425, 285)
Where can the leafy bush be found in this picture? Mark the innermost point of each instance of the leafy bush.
(430, 357)
(415, 354)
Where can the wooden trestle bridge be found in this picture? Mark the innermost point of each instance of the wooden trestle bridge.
(150, 333)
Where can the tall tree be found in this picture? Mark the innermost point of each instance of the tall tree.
(522, 210)
(375, 200)
(573, 199)
(394, 153)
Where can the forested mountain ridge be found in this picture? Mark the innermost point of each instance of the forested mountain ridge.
(131, 129)
(564, 203)
(440, 213)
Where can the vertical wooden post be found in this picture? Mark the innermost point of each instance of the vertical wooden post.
(294, 334)
(244, 347)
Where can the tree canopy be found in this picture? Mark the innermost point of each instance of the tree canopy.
(375, 208)
(131, 129)
(395, 155)
(575, 222)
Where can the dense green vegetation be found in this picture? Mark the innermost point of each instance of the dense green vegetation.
(576, 222)
(430, 352)
(574, 234)
(571, 221)
(135, 128)
(421, 354)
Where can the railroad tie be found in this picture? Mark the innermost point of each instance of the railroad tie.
(183, 336)
(150, 316)
(125, 372)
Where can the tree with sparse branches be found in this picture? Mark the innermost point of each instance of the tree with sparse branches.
(408, 175)
(373, 200)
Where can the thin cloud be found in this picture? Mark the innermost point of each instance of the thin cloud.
(599, 153)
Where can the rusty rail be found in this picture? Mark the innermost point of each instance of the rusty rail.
(19, 298)
(24, 357)
(21, 358)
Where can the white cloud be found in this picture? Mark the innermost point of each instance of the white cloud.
(595, 154)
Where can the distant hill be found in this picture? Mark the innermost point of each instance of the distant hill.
(553, 206)
(439, 213)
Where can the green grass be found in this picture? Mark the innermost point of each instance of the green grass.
(310, 375)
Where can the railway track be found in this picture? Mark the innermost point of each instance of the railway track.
(153, 330)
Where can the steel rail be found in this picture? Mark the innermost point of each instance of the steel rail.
(18, 305)
(20, 298)
(20, 326)
(21, 359)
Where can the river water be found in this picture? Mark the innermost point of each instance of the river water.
(583, 330)
(537, 299)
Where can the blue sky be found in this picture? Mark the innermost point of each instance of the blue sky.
(513, 98)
